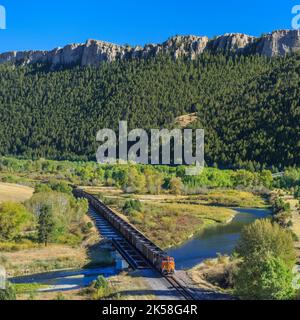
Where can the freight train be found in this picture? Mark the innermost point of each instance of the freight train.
(153, 254)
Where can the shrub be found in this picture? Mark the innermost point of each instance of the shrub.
(86, 228)
(100, 288)
(42, 187)
(9, 293)
(13, 219)
(268, 257)
(176, 186)
(67, 212)
(132, 205)
(282, 213)
(265, 278)
(59, 186)
(263, 237)
(60, 297)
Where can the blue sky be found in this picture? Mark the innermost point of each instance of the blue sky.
(38, 24)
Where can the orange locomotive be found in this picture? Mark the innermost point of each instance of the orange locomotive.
(167, 265)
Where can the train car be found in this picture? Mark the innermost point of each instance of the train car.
(157, 257)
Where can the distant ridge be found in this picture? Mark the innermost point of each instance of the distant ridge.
(93, 52)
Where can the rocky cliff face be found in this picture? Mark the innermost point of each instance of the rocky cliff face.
(280, 42)
(93, 52)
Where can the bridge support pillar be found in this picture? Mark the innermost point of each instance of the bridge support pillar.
(121, 264)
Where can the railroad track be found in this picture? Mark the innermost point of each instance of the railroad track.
(139, 251)
(180, 288)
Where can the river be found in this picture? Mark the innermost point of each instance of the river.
(220, 239)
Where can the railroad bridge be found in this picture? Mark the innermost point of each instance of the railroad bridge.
(139, 251)
(127, 251)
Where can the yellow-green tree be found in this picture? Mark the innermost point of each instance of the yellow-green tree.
(14, 218)
(176, 185)
(268, 257)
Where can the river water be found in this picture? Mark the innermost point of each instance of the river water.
(220, 239)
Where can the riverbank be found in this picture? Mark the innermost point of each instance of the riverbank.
(69, 283)
(227, 198)
(170, 220)
(218, 239)
(215, 275)
(171, 224)
(33, 258)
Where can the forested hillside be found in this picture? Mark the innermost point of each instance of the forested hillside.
(248, 105)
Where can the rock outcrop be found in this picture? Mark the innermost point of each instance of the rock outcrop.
(94, 52)
(279, 42)
(231, 42)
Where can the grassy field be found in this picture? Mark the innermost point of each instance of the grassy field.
(25, 292)
(43, 259)
(29, 258)
(169, 224)
(217, 197)
(53, 257)
(130, 286)
(169, 220)
(230, 198)
(14, 192)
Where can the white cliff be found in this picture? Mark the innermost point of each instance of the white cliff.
(94, 52)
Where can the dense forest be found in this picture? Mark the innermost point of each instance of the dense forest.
(248, 105)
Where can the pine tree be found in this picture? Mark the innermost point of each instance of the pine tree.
(46, 224)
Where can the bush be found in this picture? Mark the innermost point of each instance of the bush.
(42, 187)
(60, 297)
(268, 257)
(263, 237)
(9, 293)
(176, 186)
(86, 228)
(68, 214)
(100, 288)
(132, 205)
(58, 186)
(265, 278)
(282, 213)
(13, 220)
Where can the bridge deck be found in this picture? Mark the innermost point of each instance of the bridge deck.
(128, 252)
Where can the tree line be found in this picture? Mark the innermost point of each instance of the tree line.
(248, 106)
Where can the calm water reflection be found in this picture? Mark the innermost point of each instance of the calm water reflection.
(220, 239)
